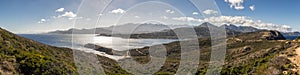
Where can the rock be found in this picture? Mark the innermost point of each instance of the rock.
(273, 35)
(104, 35)
(7, 68)
(246, 49)
(99, 48)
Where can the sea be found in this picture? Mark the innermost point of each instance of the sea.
(77, 42)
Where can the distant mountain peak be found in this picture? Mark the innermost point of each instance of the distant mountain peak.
(207, 24)
(240, 28)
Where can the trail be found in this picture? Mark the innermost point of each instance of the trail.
(296, 59)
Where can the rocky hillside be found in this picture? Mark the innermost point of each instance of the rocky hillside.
(257, 53)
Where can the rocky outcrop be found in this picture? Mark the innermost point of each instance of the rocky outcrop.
(261, 36)
(99, 48)
(272, 35)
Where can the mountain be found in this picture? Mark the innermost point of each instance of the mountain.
(262, 35)
(291, 33)
(132, 28)
(240, 28)
(201, 31)
(129, 28)
(82, 31)
(261, 52)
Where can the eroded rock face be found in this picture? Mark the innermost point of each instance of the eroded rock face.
(273, 35)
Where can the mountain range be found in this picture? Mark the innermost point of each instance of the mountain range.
(129, 28)
(240, 28)
(160, 30)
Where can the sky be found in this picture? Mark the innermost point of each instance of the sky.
(38, 16)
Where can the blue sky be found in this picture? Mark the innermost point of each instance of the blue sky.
(35, 16)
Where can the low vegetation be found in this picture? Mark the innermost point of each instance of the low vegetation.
(22, 56)
(258, 54)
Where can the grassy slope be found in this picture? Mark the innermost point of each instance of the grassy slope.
(22, 56)
(244, 56)
(19, 55)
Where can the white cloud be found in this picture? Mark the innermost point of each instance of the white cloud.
(187, 19)
(69, 14)
(239, 7)
(236, 4)
(137, 17)
(170, 11)
(72, 18)
(60, 10)
(164, 17)
(210, 12)
(246, 21)
(195, 13)
(42, 21)
(118, 11)
(252, 7)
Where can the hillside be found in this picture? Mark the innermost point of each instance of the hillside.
(263, 52)
(22, 56)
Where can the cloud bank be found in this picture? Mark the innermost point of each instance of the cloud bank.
(187, 19)
(246, 21)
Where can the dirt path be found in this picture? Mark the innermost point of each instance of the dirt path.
(296, 59)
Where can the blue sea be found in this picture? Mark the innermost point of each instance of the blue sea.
(79, 40)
